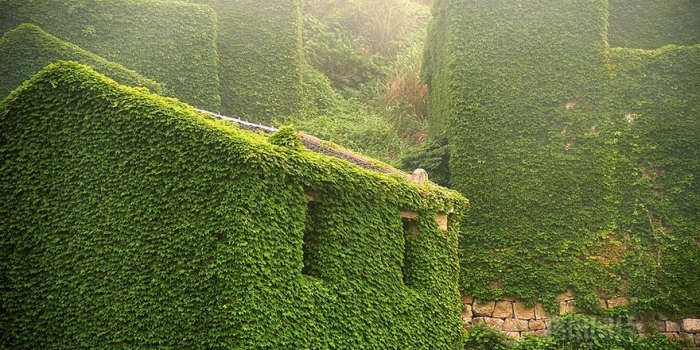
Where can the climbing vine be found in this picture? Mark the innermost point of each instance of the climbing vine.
(648, 24)
(260, 57)
(580, 160)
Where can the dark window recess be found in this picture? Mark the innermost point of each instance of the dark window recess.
(310, 241)
(410, 228)
(410, 233)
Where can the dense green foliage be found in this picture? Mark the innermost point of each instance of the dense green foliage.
(482, 337)
(129, 220)
(435, 74)
(581, 162)
(248, 58)
(349, 121)
(326, 114)
(27, 49)
(650, 24)
(260, 52)
(540, 343)
(574, 332)
(657, 92)
(171, 42)
(371, 52)
(332, 50)
(434, 157)
(286, 136)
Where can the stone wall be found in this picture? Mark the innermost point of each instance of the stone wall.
(517, 320)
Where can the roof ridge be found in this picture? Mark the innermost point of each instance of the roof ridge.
(316, 145)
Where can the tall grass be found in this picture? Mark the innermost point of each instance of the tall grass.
(404, 86)
(372, 51)
(380, 22)
(403, 94)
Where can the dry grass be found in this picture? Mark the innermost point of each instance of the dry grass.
(410, 89)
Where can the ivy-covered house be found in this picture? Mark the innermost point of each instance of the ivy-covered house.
(132, 220)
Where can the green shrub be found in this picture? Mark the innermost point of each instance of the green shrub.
(347, 122)
(578, 332)
(318, 96)
(574, 332)
(27, 49)
(331, 50)
(433, 156)
(662, 342)
(536, 343)
(482, 337)
(286, 136)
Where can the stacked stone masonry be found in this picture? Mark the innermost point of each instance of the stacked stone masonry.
(518, 320)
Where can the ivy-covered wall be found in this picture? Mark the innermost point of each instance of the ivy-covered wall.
(170, 41)
(658, 92)
(651, 24)
(130, 220)
(26, 49)
(434, 72)
(580, 161)
(260, 51)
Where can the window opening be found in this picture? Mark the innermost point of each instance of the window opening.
(410, 233)
(310, 241)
